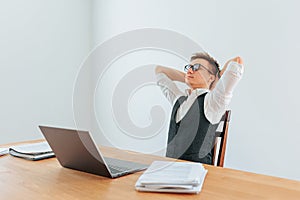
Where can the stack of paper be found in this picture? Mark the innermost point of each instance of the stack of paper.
(3, 151)
(35, 151)
(177, 177)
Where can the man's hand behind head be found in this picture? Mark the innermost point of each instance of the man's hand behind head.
(237, 59)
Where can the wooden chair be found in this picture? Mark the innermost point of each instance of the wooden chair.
(221, 140)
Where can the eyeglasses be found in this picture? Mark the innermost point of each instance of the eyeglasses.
(196, 67)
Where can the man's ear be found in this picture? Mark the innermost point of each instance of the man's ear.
(212, 78)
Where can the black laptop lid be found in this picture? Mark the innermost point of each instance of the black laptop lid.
(76, 150)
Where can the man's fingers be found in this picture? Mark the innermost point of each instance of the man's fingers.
(238, 60)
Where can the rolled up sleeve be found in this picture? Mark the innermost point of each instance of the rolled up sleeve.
(217, 101)
(168, 87)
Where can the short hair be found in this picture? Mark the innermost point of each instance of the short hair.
(213, 62)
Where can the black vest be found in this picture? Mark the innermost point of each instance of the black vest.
(193, 137)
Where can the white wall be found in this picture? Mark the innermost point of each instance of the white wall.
(42, 44)
(263, 136)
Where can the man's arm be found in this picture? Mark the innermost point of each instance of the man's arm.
(238, 59)
(173, 74)
(217, 101)
(165, 78)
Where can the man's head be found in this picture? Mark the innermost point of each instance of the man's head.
(202, 71)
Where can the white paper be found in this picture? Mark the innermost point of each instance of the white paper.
(179, 177)
(187, 187)
(3, 151)
(195, 189)
(38, 156)
(35, 148)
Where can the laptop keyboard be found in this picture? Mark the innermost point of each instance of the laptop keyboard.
(118, 169)
(121, 167)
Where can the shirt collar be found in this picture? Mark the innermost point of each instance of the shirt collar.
(197, 91)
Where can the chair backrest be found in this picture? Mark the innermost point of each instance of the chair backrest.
(221, 140)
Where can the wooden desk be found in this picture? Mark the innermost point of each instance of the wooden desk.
(46, 179)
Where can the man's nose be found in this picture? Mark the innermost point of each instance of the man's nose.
(190, 71)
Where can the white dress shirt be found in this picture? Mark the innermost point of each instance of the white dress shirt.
(216, 101)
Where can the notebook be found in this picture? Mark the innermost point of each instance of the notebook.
(77, 150)
(3, 151)
(35, 151)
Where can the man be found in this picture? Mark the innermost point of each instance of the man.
(197, 112)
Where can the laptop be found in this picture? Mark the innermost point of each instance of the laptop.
(77, 150)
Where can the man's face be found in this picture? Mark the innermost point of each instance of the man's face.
(201, 78)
